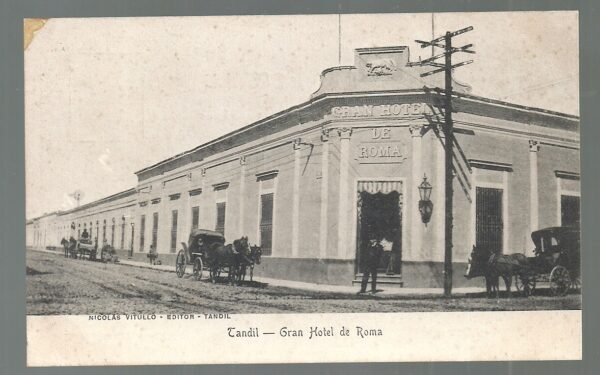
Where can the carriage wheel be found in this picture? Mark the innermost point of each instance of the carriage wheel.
(525, 284)
(560, 281)
(198, 268)
(180, 264)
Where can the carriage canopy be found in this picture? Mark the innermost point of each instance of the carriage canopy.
(556, 239)
(208, 236)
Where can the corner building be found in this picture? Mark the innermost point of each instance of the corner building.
(309, 184)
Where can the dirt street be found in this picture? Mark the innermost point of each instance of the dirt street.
(56, 285)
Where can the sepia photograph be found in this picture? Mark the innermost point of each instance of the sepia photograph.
(217, 168)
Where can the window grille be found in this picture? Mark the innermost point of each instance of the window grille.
(489, 227)
(569, 210)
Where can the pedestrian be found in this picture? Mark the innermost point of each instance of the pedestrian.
(388, 247)
(370, 262)
(152, 255)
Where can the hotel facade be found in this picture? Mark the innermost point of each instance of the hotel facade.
(312, 183)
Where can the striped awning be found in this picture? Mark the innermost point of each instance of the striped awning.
(384, 187)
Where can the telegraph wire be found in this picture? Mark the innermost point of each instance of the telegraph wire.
(538, 86)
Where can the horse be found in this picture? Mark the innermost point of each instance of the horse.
(484, 262)
(218, 256)
(65, 244)
(72, 247)
(250, 260)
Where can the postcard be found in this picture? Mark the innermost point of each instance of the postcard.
(302, 188)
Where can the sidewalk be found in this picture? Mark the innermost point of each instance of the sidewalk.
(344, 289)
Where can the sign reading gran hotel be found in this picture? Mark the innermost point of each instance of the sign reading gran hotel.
(384, 110)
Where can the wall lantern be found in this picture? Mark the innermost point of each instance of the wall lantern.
(425, 204)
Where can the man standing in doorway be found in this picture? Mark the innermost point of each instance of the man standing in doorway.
(370, 262)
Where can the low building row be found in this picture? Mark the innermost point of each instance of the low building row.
(313, 184)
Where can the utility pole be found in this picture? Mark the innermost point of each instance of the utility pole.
(448, 129)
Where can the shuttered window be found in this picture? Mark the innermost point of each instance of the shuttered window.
(489, 221)
(142, 232)
(266, 223)
(173, 231)
(221, 208)
(154, 229)
(195, 217)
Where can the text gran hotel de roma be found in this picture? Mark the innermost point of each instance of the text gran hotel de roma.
(313, 183)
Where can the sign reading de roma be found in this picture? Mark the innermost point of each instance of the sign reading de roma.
(384, 110)
(377, 153)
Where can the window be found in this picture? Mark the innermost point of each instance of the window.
(142, 232)
(132, 236)
(123, 234)
(489, 225)
(220, 227)
(173, 231)
(221, 200)
(195, 217)
(266, 206)
(155, 229)
(266, 223)
(103, 232)
(569, 210)
(112, 233)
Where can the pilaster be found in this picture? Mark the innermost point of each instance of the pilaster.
(534, 147)
(343, 239)
(415, 245)
(296, 197)
(324, 193)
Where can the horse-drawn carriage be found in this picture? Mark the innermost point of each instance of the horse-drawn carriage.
(206, 251)
(556, 261)
(85, 249)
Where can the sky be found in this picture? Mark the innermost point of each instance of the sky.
(106, 97)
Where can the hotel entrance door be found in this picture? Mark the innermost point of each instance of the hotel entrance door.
(379, 206)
